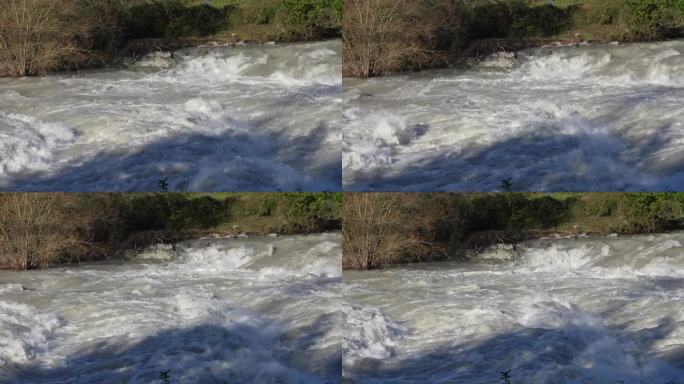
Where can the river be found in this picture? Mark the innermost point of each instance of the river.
(605, 118)
(574, 311)
(256, 310)
(250, 118)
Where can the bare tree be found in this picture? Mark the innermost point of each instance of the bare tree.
(379, 229)
(384, 36)
(39, 229)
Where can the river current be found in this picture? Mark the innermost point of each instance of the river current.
(604, 118)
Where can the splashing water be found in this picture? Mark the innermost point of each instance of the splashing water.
(224, 118)
(602, 118)
(587, 310)
(224, 310)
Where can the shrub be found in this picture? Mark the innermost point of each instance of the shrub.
(650, 212)
(380, 230)
(308, 19)
(37, 36)
(653, 19)
(489, 20)
(635, 19)
(37, 230)
(172, 211)
(27, 28)
(513, 19)
(385, 36)
(255, 12)
(309, 211)
(544, 20)
(172, 18)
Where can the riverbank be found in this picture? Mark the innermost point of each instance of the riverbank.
(40, 230)
(41, 36)
(385, 229)
(382, 40)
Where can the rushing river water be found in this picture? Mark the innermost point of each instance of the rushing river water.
(573, 118)
(263, 310)
(224, 118)
(575, 311)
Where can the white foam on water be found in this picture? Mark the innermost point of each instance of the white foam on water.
(564, 65)
(24, 333)
(613, 258)
(220, 260)
(368, 333)
(281, 65)
(321, 260)
(28, 144)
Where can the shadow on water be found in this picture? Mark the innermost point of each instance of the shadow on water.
(589, 159)
(236, 161)
(537, 355)
(204, 353)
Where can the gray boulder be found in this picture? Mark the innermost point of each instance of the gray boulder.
(498, 60)
(153, 60)
(496, 252)
(156, 252)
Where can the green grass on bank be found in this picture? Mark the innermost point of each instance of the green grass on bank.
(385, 229)
(386, 36)
(40, 36)
(37, 230)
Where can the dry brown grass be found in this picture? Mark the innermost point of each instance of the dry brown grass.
(386, 36)
(40, 229)
(37, 36)
(380, 229)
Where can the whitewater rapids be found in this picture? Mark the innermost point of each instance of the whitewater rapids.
(575, 311)
(252, 118)
(262, 310)
(604, 118)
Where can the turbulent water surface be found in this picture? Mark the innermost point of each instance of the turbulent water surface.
(261, 310)
(572, 118)
(575, 311)
(224, 118)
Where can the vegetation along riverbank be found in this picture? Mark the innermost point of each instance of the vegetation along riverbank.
(382, 37)
(383, 229)
(41, 36)
(39, 230)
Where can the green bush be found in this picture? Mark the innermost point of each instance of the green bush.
(305, 211)
(258, 12)
(514, 18)
(488, 20)
(309, 19)
(654, 19)
(544, 20)
(172, 18)
(680, 5)
(172, 212)
(650, 212)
